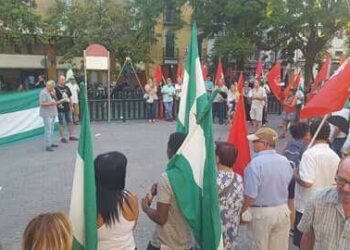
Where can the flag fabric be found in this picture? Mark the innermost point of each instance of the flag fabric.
(301, 86)
(69, 73)
(158, 75)
(323, 73)
(238, 133)
(259, 68)
(83, 211)
(273, 78)
(179, 73)
(192, 171)
(332, 95)
(294, 80)
(19, 116)
(219, 73)
(205, 71)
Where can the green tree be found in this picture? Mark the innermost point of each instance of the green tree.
(305, 25)
(233, 24)
(18, 24)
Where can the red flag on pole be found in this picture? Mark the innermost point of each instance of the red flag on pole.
(204, 71)
(292, 82)
(323, 74)
(259, 68)
(158, 75)
(219, 73)
(179, 73)
(273, 78)
(238, 133)
(332, 95)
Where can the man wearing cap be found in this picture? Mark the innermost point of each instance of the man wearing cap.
(266, 193)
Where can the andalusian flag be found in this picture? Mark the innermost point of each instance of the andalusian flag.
(192, 171)
(19, 116)
(83, 212)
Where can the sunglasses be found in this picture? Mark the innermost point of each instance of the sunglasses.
(256, 141)
(341, 181)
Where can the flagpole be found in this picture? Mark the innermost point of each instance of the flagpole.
(318, 131)
(109, 89)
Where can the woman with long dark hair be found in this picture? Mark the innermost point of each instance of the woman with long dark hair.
(117, 207)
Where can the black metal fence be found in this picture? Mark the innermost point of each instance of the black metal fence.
(130, 105)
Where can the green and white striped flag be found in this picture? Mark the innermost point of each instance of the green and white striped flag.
(192, 171)
(83, 211)
(19, 116)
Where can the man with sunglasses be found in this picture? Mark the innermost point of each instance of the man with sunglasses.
(325, 223)
(266, 181)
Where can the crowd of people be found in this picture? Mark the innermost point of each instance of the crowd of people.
(314, 180)
(302, 191)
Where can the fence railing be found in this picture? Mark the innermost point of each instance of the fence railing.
(131, 106)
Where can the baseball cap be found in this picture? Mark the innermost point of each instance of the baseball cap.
(265, 134)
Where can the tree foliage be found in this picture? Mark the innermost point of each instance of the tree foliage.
(18, 23)
(305, 25)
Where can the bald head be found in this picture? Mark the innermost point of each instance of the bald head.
(61, 79)
(344, 165)
(343, 180)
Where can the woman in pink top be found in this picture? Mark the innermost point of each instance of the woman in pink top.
(117, 207)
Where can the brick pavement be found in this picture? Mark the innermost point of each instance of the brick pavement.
(34, 181)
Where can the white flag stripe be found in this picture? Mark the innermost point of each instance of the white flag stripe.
(195, 140)
(76, 211)
(19, 122)
(183, 95)
(199, 79)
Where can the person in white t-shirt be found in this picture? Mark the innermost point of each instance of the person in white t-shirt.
(258, 95)
(317, 169)
(74, 89)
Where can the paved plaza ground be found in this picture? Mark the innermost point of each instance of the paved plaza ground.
(33, 181)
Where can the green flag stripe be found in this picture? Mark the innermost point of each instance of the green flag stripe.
(87, 183)
(12, 102)
(22, 136)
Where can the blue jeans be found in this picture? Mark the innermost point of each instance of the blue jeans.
(49, 124)
(151, 110)
(168, 106)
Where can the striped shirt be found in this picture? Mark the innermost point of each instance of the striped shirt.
(324, 215)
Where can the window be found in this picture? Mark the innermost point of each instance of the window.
(169, 12)
(170, 44)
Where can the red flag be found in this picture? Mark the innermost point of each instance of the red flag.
(323, 74)
(273, 78)
(332, 95)
(292, 82)
(205, 71)
(259, 68)
(158, 75)
(219, 73)
(179, 73)
(238, 133)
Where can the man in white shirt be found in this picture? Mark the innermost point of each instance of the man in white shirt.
(74, 89)
(258, 95)
(317, 169)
